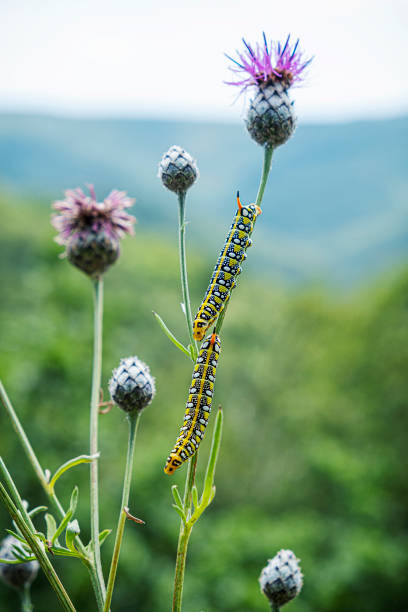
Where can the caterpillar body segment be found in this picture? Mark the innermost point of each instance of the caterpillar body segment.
(227, 268)
(198, 405)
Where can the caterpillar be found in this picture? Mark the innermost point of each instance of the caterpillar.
(223, 279)
(198, 405)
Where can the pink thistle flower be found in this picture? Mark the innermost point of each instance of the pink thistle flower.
(266, 64)
(270, 70)
(91, 230)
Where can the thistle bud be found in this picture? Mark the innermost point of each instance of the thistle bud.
(91, 230)
(19, 575)
(132, 386)
(270, 69)
(178, 170)
(281, 580)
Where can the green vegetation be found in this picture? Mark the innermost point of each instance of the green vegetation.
(314, 390)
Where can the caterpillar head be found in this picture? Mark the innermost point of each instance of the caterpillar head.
(199, 329)
(173, 462)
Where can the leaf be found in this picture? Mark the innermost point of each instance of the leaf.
(103, 535)
(212, 461)
(70, 535)
(63, 524)
(177, 497)
(193, 352)
(16, 535)
(51, 527)
(70, 464)
(195, 496)
(74, 500)
(181, 513)
(170, 335)
(37, 510)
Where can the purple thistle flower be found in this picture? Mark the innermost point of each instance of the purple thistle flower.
(265, 64)
(270, 69)
(91, 230)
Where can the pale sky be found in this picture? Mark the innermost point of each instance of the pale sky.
(165, 58)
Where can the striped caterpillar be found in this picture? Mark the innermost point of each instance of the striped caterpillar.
(227, 268)
(198, 405)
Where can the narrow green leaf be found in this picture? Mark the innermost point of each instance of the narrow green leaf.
(51, 526)
(170, 335)
(37, 510)
(68, 516)
(180, 512)
(103, 535)
(70, 464)
(17, 561)
(193, 352)
(73, 502)
(177, 497)
(194, 493)
(16, 535)
(212, 461)
(70, 535)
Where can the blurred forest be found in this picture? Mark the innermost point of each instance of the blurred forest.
(314, 389)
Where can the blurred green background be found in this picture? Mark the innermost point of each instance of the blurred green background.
(313, 382)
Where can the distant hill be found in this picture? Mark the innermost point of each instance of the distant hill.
(336, 207)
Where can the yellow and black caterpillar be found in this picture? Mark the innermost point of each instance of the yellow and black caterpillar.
(227, 268)
(198, 405)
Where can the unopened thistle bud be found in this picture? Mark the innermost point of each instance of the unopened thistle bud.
(91, 230)
(270, 70)
(178, 170)
(281, 580)
(18, 575)
(132, 386)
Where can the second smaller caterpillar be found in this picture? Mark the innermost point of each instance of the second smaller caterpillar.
(198, 405)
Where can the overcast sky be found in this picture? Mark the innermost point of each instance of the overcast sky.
(165, 58)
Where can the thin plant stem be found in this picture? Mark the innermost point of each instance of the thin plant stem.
(184, 537)
(133, 424)
(268, 152)
(26, 604)
(183, 268)
(274, 607)
(32, 457)
(266, 168)
(38, 551)
(96, 385)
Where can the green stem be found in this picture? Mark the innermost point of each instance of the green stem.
(268, 152)
(96, 385)
(38, 551)
(183, 268)
(32, 457)
(26, 605)
(266, 168)
(274, 607)
(133, 424)
(184, 536)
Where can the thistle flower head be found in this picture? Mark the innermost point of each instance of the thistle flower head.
(132, 386)
(269, 63)
(178, 171)
(281, 580)
(270, 69)
(91, 230)
(18, 575)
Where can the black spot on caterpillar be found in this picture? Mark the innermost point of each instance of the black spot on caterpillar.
(223, 279)
(198, 405)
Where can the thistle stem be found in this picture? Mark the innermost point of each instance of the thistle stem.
(183, 269)
(32, 457)
(184, 535)
(133, 424)
(38, 551)
(267, 161)
(26, 604)
(94, 414)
